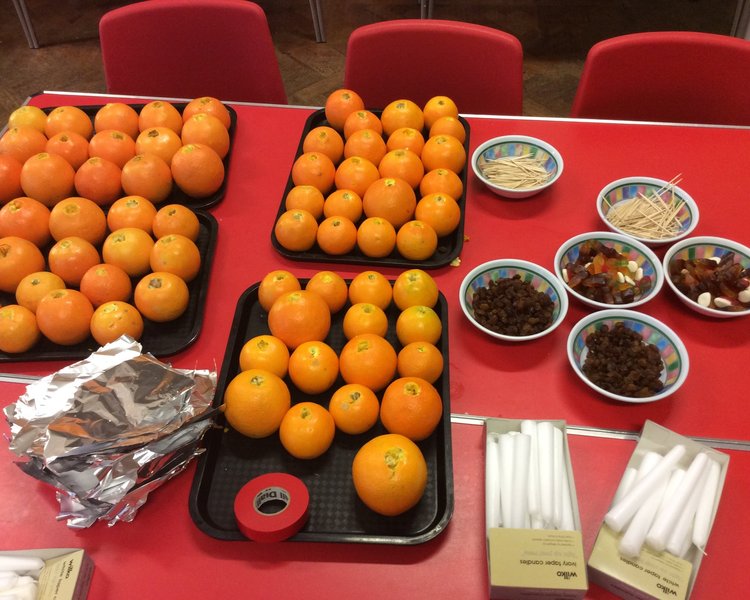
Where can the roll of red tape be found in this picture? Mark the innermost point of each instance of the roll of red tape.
(281, 491)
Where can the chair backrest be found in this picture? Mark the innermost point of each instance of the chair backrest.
(191, 48)
(479, 67)
(669, 76)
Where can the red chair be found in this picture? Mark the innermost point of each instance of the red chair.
(670, 76)
(479, 67)
(191, 48)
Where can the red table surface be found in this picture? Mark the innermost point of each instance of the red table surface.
(488, 377)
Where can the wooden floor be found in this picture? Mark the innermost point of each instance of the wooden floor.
(555, 35)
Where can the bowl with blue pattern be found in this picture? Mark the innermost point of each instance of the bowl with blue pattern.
(517, 166)
(497, 283)
(666, 347)
(653, 211)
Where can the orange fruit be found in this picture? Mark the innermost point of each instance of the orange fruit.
(34, 286)
(315, 169)
(162, 141)
(416, 240)
(406, 138)
(366, 143)
(255, 402)
(105, 283)
(161, 296)
(33, 116)
(206, 129)
(331, 287)
(364, 317)
(376, 237)
(176, 218)
(418, 324)
(147, 175)
(313, 367)
(25, 218)
(440, 211)
(343, 203)
(159, 113)
(197, 170)
(415, 287)
(362, 119)
(449, 126)
(441, 181)
(80, 217)
(70, 257)
(404, 164)
(113, 145)
(354, 408)
(174, 253)
(307, 430)
(324, 140)
(420, 359)
(265, 352)
(337, 235)
(22, 142)
(48, 178)
(368, 359)
(299, 316)
(99, 180)
(18, 258)
(114, 319)
(131, 211)
(64, 316)
(339, 105)
(18, 329)
(391, 198)
(209, 105)
(412, 407)
(356, 174)
(10, 178)
(437, 107)
(68, 118)
(306, 197)
(401, 113)
(372, 287)
(296, 230)
(118, 116)
(444, 152)
(274, 284)
(130, 249)
(389, 474)
(73, 147)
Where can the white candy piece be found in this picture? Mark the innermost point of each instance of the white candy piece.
(529, 427)
(705, 509)
(633, 266)
(620, 277)
(722, 302)
(744, 296)
(492, 482)
(704, 299)
(639, 274)
(519, 513)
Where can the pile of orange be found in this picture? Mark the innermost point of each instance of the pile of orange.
(367, 380)
(376, 184)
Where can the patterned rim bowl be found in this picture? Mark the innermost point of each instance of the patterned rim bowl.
(678, 207)
(633, 250)
(713, 248)
(673, 353)
(538, 277)
(517, 145)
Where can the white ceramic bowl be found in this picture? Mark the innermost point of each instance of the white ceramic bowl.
(706, 247)
(673, 353)
(633, 250)
(538, 277)
(517, 145)
(624, 190)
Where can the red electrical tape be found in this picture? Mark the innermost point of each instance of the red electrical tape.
(266, 490)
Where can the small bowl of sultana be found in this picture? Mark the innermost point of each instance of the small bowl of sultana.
(653, 211)
(711, 275)
(650, 359)
(491, 293)
(605, 270)
(517, 166)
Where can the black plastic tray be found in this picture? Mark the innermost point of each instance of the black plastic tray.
(335, 514)
(159, 339)
(449, 246)
(177, 196)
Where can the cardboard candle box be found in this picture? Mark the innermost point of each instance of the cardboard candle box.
(66, 574)
(652, 574)
(536, 563)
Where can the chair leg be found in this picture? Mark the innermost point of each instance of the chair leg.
(26, 24)
(317, 17)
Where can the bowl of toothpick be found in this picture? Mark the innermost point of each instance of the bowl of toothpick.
(652, 211)
(517, 166)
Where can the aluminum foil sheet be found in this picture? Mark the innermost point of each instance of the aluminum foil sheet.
(108, 430)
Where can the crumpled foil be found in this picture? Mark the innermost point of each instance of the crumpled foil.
(108, 430)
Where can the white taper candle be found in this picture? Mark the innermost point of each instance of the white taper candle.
(681, 536)
(506, 476)
(546, 448)
(705, 510)
(558, 465)
(492, 482)
(628, 478)
(528, 427)
(519, 511)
